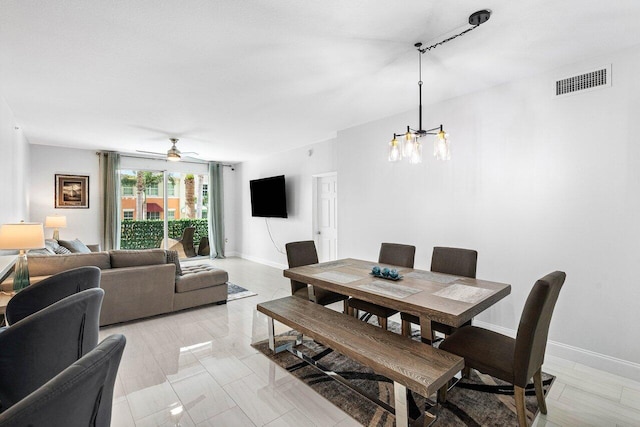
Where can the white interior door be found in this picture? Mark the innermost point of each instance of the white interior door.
(327, 217)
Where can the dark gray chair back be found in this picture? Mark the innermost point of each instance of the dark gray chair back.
(456, 261)
(51, 290)
(40, 346)
(300, 254)
(531, 340)
(397, 254)
(80, 396)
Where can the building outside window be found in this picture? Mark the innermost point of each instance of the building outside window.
(205, 191)
(171, 189)
(127, 190)
(152, 189)
(153, 215)
(127, 214)
(171, 214)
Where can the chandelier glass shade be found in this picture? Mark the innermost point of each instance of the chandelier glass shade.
(441, 148)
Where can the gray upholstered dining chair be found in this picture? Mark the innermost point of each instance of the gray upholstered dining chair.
(304, 253)
(454, 261)
(51, 290)
(392, 254)
(40, 346)
(513, 360)
(79, 396)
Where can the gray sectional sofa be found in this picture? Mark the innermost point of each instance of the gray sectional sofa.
(138, 283)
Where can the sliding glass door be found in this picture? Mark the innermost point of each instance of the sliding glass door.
(156, 206)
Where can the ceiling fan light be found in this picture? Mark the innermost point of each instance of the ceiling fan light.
(173, 155)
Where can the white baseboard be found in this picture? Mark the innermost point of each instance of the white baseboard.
(262, 261)
(603, 362)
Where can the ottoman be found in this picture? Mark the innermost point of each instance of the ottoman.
(198, 285)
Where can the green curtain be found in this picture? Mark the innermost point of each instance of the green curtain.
(215, 211)
(109, 165)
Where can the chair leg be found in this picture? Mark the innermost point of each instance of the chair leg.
(466, 371)
(382, 321)
(345, 306)
(406, 328)
(520, 407)
(537, 382)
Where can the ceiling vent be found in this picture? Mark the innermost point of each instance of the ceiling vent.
(584, 82)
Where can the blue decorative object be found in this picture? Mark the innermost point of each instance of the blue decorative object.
(375, 270)
(385, 272)
(393, 273)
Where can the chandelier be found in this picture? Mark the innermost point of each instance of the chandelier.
(408, 144)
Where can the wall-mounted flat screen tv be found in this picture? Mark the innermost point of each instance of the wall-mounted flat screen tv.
(268, 197)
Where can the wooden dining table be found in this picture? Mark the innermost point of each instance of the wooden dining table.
(443, 298)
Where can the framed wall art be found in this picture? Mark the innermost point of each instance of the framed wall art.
(72, 191)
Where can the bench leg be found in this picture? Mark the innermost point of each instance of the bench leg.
(272, 334)
(272, 338)
(401, 408)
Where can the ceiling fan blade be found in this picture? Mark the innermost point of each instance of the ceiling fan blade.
(151, 152)
(189, 152)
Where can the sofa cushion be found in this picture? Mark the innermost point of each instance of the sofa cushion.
(137, 258)
(172, 257)
(75, 246)
(200, 276)
(44, 265)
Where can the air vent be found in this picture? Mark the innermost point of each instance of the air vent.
(596, 79)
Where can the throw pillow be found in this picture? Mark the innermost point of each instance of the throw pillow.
(172, 257)
(61, 250)
(51, 244)
(75, 246)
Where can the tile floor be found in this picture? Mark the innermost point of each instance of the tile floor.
(197, 368)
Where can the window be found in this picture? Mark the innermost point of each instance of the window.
(153, 215)
(171, 189)
(171, 214)
(127, 190)
(205, 191)
(127, 214)
(152, 190)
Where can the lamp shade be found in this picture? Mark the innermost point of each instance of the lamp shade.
(56, 221)
(25, 235)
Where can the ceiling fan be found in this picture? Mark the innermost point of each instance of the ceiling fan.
(173, 154)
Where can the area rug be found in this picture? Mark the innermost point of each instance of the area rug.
(236, 292)
(480, 400)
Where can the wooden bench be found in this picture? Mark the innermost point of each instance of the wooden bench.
(410, 364)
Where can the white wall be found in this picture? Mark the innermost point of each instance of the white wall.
(251, 236)
(14, 173)
(47, 161)
(535, 184)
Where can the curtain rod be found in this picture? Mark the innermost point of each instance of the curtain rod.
(135, 156)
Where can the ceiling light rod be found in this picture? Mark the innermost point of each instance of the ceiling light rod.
(412, 146)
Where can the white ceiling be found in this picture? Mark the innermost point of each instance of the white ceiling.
(237, 79)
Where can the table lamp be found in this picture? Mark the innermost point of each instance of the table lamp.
(56, 222)
(22, 236)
